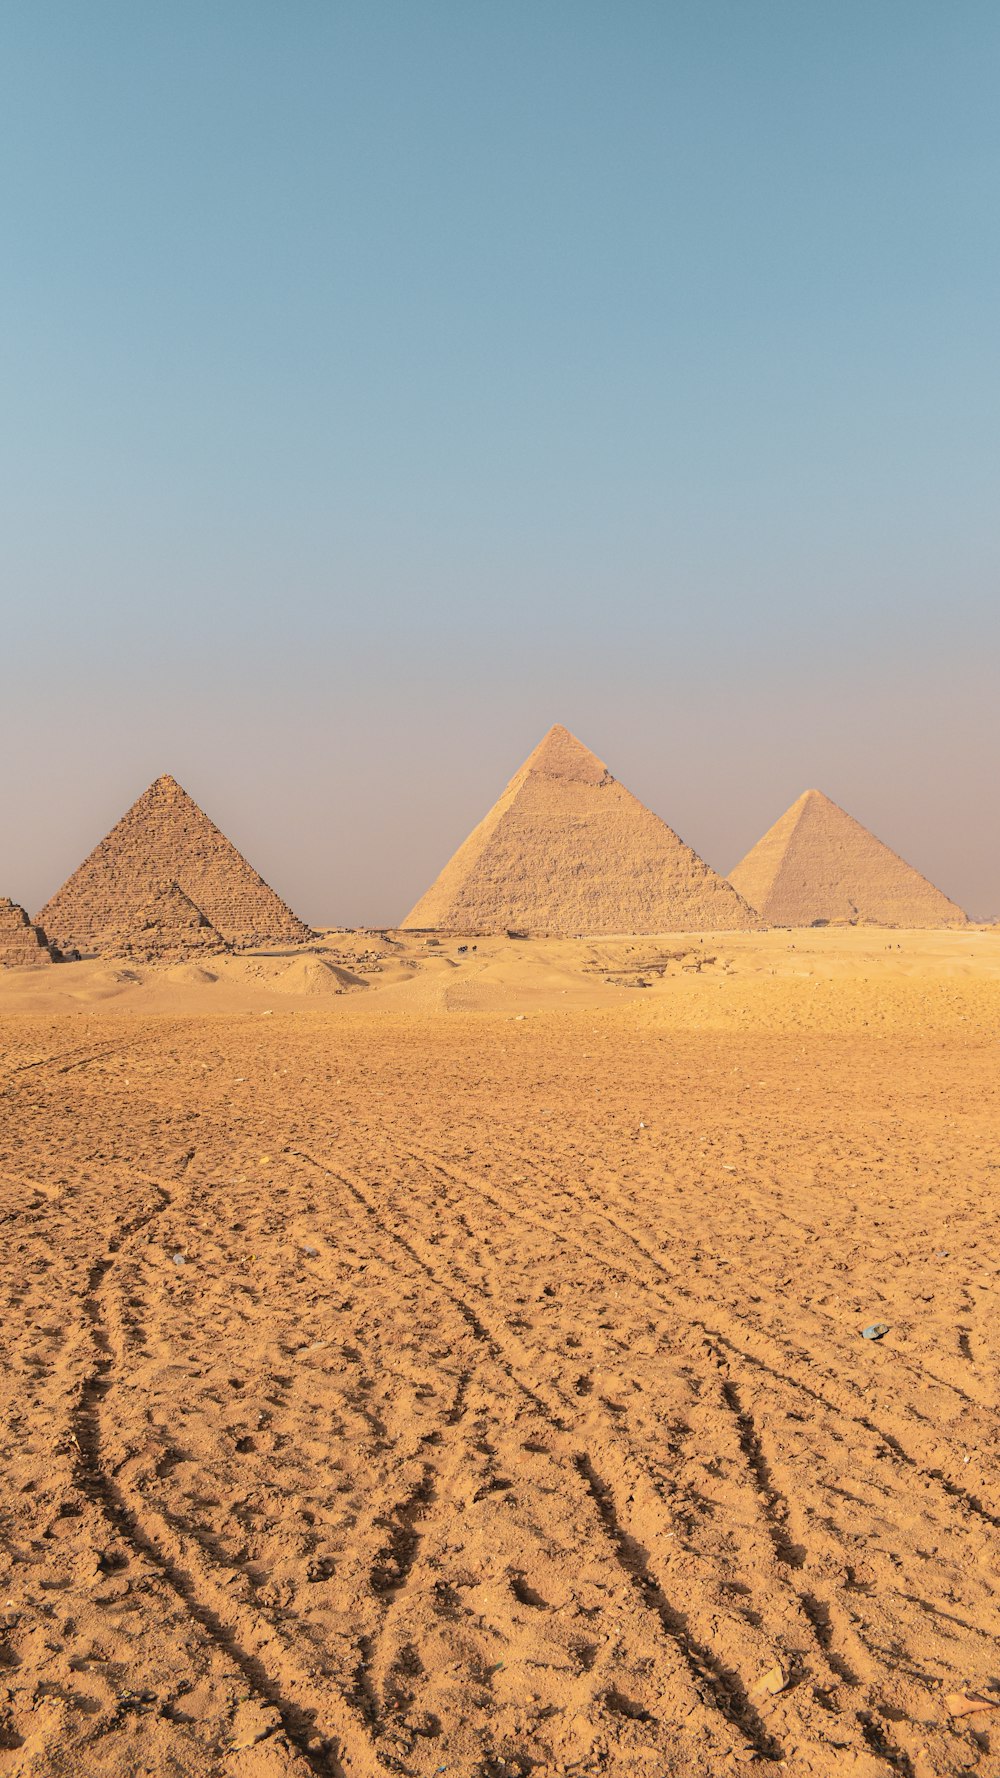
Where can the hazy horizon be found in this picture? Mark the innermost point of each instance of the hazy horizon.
(384, 384)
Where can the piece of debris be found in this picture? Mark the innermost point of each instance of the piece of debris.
(776, 1679)
(875, 1331)
(968, 1703)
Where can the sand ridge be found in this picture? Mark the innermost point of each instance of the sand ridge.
(818, 863)
(567, 849)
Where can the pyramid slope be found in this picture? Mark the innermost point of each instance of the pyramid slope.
(818, 863)
(567, 849)
(22, 945)
(168, 929)
(166, 837)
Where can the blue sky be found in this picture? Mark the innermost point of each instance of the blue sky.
(383, 382)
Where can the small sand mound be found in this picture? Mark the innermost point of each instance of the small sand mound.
(190, 973)
(315, 975)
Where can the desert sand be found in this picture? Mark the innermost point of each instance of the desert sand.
(433, 1360)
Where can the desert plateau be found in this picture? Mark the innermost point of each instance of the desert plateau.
(437, 1355)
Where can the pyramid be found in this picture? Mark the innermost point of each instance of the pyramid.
(21, 943)
(166, 838)
(568, 850)
(818, 864)
(168, 929)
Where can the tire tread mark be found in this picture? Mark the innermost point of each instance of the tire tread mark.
(724, 1691)
(329, 1757)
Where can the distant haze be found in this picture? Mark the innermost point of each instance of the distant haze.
(383, 384)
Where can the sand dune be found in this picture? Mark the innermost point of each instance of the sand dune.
(465, 1375)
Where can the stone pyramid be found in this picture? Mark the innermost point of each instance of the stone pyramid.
(21, 943)
(168, 929)
(569, 850)
(818, 864)
(166, 838)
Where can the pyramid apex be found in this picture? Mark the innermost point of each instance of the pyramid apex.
(560, 754)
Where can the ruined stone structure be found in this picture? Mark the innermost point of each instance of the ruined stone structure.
(569, 850)
(165, 838)
(817, 864)
(169, 929)
(22, 944)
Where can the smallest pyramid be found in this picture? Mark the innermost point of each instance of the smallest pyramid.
(168, 928)
(817, 864)
(21, 943)
(166, 838)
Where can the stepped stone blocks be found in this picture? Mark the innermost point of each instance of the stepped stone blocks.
(818, 865)
(22, 945)
(567, 850)
(169, 929)
(165, 838)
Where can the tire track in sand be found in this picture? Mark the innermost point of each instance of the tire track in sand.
(823, 1623)
(712, 1682)
(260, 1654)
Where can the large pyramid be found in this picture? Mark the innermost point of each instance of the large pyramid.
(166, 839)
(569, 850)
(817, 864)
(22, 944)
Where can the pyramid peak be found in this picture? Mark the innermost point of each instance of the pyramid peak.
(560, 754)
(167, 785)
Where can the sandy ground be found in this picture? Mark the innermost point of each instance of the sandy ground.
(451, 1362)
